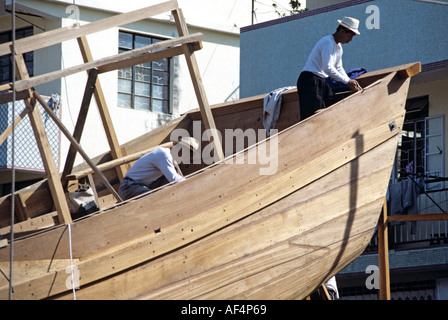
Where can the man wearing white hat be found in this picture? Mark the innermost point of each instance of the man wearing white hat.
(153, 170)
(325, 61)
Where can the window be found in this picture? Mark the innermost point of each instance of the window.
(434, 152)
(411, 145)
(144, 86)
(5, 60)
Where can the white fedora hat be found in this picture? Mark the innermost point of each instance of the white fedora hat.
(190, 142)
(350, 23)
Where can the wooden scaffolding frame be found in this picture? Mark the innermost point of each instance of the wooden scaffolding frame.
(185, 44)
(383, 243)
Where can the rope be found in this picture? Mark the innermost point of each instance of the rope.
(71, 259)
(13, 172)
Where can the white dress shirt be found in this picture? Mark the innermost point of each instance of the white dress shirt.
(325, 60)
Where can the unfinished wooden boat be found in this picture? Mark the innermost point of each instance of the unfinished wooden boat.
(228, 232)
(234, 229)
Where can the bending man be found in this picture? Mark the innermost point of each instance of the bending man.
(153, 170)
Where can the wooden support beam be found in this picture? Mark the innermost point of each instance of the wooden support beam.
(52, 37)
(17, 120)
(112, 60)
(207, 116)
(22, 213)
(6, 86)
(79, 127)
(54, 182)
(419, 217)
(44, 221)
(115, 150)
(76, 145)
(383, 254)
(149, 56)
(92, 185)
(117, 162)
(7, 97)
(404, 71)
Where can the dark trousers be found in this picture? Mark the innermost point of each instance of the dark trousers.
(130, 188)
(314, 93)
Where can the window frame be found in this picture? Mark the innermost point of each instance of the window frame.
(139, 81)
(5, 60)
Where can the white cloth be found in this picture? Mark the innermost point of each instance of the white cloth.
(330, 284)
(152, 166)
(272, 104)
(325, 60)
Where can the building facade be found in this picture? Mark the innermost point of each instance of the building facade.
(393, 33)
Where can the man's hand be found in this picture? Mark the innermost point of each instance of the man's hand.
(354, 85)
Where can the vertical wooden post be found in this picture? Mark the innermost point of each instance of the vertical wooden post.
(383, 254)
(53, 178)
(70, 160)
(115, 149)
(77, 147)
(207, 117)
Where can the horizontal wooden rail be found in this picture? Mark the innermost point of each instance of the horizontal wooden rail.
(116, 162)
(407, 70)
(419, 217)
(145, 54)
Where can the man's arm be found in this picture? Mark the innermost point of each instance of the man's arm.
(354, 85)
(166, 166)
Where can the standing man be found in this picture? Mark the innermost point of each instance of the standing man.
(325, 61)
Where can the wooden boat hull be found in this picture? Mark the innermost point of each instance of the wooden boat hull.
(229, 232)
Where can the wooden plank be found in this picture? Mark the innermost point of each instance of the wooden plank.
(147, 57)
(17, 120)
(6, 86)
(117, 162)
(404, 71)
(92, 185)
(77, 146)
(51, 76)
(54, 182)
(79, 127)
(207, 116)
(22, 213)
(419, 217)
(44, 221)
(324, 293)
(383, 254)
(52, 37)
(103, 110)
(7, 97)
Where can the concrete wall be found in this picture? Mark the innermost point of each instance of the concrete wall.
(274, 53)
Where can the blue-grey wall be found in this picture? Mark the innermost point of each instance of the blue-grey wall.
(274, 53)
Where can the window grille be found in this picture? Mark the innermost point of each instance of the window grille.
(145, 86)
